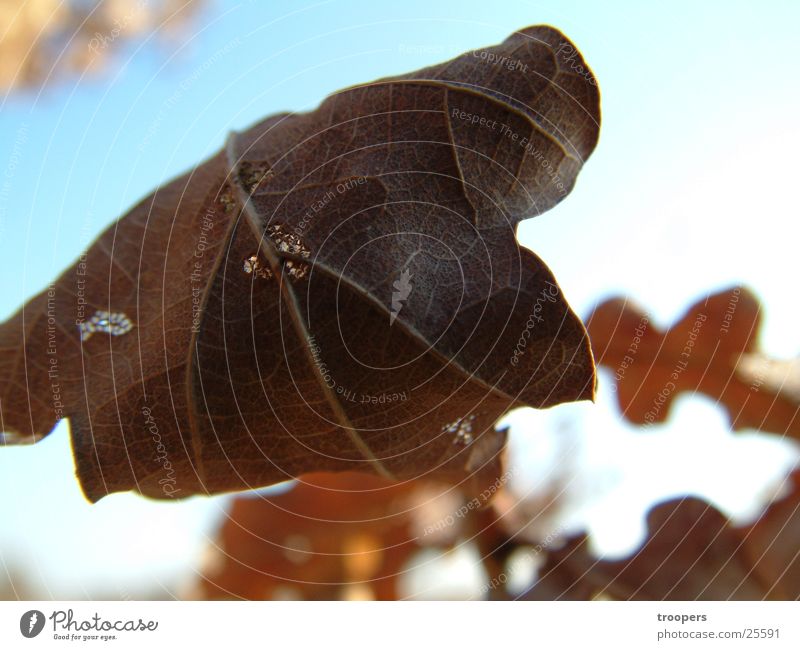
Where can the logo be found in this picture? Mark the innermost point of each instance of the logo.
(402, 289)
(31, 623)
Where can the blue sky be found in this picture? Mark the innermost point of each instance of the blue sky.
(692, 188)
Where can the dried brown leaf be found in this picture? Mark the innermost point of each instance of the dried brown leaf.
(692, 552)
(338, 290)
(331, 536)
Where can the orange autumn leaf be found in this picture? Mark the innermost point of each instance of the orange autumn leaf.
(331, 536)
(712, 349)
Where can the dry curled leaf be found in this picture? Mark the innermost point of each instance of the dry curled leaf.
(712, 349)
(331, 536)
(692, 552)
(337, 290)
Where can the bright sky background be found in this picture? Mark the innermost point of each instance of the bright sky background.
(692, 188)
